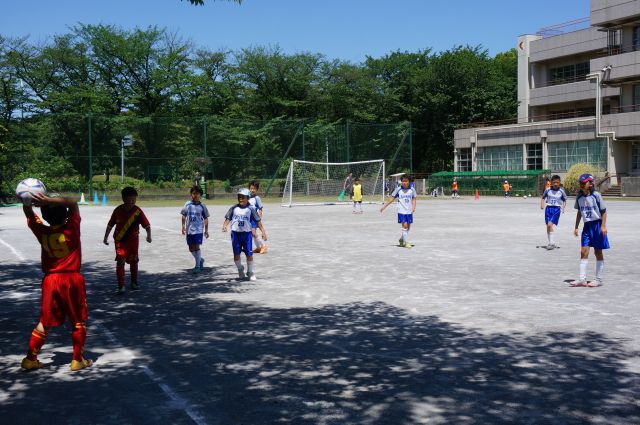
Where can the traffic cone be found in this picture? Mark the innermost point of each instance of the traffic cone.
(82, 201)
(104, 199)
(477, 195)
(95, 198)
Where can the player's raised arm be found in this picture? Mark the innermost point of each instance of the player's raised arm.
(387, 204)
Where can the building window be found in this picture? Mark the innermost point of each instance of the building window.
(563, 155)
(636, 38)
(534, 156)
(500, 158)
(569, 73)
(464, 159)
(635, 157)
(636, 98)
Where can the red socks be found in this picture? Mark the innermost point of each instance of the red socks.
(120, 273)
(78, 336)
(134, 272)
(35, 343)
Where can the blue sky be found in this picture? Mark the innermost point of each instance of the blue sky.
(339, 29)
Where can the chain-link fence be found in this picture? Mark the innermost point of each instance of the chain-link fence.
(85, 151)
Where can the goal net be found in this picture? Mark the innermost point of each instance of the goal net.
(327, 183)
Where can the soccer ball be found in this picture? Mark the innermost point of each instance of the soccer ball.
(524, 196)
(27, 187)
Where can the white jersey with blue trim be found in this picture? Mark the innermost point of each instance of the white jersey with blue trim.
(195, 215)
(591, 206)
(405, 196)
(255, 202)
(554, 198)
(240, 217)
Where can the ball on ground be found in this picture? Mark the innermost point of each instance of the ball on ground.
(27, 188)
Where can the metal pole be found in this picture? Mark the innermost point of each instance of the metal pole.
(410, 148)
(348, 147)
(302, 135)
(121, 161)
(326, 146)
(90, 155)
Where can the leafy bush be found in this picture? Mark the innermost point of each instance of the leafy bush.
(571, 184)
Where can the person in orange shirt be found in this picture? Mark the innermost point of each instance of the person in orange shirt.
(63, 287)
(506, 187)
(454, 189)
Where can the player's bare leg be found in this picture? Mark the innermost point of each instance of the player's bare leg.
(120, 275)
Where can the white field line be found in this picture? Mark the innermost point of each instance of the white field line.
(177, 401)
(166, 230)
(12, 249)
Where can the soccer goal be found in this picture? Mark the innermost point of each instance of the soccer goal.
(327, 183)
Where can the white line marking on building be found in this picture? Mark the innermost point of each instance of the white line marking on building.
(178, 401)
(15, 252)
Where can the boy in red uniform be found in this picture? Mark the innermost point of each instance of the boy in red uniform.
(63, 287)
(127, 218)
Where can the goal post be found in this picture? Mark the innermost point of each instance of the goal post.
(323, 183)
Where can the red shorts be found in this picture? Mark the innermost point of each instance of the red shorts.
(128, 250)
(63, 295)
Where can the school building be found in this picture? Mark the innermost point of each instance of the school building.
(579, 101)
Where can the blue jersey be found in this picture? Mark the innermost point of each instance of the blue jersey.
(554, 198)
(240, 217)
(590, 206)
(405, 198)
(195, 215)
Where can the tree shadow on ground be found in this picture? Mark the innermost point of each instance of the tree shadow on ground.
(368, 363)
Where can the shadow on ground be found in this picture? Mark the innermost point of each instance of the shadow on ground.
(368, 363)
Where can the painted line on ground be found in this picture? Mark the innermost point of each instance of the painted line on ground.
(166, 230)
(177, 400)
(15, 252)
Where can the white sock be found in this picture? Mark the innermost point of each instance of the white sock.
(249, 266)
(583, 269)
(239, 265)
(551, 238)
(599, 270)
(197, 255)
(259, 241)
(405, 235)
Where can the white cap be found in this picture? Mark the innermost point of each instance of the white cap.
(244, 192)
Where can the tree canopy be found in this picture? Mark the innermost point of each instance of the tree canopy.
(152, 73)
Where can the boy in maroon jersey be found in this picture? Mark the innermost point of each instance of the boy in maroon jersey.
(63, 287)
(127, 218)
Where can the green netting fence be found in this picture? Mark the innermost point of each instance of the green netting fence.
(76, 152)
(490, 182)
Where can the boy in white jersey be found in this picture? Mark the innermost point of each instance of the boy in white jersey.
(406, 206)
(555, 200)
(593, 211)
(240, 216)
(195, 222)
(256, 202)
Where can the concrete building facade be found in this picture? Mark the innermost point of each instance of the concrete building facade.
(579, 101)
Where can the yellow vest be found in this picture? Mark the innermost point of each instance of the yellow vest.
(357, 192)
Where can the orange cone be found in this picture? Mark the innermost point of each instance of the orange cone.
(477, 195)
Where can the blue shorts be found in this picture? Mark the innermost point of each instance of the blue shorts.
(195, 239)
(405, 218)
(241, 242)
(591, 235)
(552, 214)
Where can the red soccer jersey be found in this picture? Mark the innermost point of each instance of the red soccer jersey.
(61, 251)
(127, 222)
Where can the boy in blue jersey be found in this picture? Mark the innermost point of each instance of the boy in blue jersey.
(555, 200)
(240, 217)
(406, 197)
(195, 223)
(593, 211)
(256, 202)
